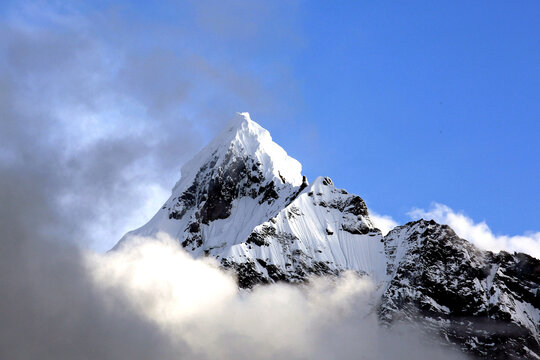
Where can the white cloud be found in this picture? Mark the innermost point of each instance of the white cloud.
(479, 233)
(384, 222)
(199, 307)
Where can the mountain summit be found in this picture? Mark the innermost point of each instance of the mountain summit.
(244, 201)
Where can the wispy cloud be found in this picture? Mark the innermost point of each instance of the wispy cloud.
(385, 223)
(479, 233)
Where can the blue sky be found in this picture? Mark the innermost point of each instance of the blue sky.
(416, 102)
(403, 104)
(412, 103)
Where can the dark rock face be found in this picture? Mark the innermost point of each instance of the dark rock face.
(327, 181)
(248, 276)
(257, 237)
(269, 193)
(355, 205)
(472, 297)
(356, 228)
(215, 188)
(246, 273)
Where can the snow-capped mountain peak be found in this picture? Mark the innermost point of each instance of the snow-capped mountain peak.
(243, 136)
(219, 198)
(244, 201)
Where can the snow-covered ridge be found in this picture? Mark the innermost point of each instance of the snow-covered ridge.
(244, 201)
(324, 230)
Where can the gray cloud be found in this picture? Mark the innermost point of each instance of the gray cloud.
(106, 107)
(50, 310)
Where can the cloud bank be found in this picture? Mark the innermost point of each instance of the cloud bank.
(479, 233)
(195, 304)
(152, 300)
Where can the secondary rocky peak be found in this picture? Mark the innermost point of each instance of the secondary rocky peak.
(473, 298)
